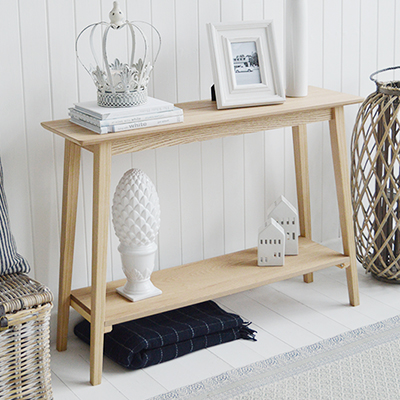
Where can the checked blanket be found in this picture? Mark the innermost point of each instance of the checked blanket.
(162, 337)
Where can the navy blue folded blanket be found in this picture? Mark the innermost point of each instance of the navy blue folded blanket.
(162, 337)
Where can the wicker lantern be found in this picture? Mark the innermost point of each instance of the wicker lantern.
(375, 181)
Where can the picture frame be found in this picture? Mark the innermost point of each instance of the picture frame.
(245, 64)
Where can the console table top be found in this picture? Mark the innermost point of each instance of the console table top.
(205, 112)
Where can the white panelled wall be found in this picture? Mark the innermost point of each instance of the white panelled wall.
(213, 194)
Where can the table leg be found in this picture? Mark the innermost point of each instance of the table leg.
(302, 184)
(101, 213)
(72, 156)
(339, 155)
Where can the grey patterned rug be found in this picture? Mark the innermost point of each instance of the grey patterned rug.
(359, 364)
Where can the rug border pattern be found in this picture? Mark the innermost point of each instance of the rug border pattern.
(244, 379)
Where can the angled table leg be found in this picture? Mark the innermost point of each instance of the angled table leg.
(302, 184)
(101, 212)
(72, 157)
(339, 155)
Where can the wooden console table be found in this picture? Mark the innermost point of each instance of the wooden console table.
(220, 276)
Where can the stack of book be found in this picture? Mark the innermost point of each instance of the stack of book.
(106, 120)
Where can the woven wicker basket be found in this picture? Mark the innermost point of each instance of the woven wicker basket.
(24, 338)
(375, 181)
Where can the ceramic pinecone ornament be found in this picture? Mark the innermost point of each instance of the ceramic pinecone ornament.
(136, 219)
(136, 209)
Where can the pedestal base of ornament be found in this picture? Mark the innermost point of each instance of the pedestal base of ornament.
(150, 292)
(138, 264)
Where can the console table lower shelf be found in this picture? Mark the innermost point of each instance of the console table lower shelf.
(208, 279)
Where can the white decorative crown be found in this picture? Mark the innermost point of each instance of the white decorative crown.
(120, 84)
(136, 209)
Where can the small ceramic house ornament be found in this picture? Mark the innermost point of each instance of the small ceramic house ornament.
(271, 244)
(286, 215)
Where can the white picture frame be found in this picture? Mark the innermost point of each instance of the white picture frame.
(240, 79)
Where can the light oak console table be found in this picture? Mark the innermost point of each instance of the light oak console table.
(209, 279)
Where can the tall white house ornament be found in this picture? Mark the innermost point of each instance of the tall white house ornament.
(119, 83)
(286, 215)
(136, 220)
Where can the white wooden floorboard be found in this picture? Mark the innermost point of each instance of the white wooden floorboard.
(188, 369)
(72, 368)
(385, 294)
(274, 323)
(298, 313)
(317, 297)
(372, 308)
(61, 390)
(286, 315)
(133, 385)
(237, 354)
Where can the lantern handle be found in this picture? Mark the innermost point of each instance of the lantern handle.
(372, 76)
(391, 87)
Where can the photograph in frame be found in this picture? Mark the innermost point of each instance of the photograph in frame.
(245, 63)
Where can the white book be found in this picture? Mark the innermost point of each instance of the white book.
(123, 120)
(152, 105)
(130, 126)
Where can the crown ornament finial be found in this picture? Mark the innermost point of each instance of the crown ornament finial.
(119, 83)
(116, 15)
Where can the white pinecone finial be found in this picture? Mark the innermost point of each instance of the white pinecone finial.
(136, 210)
